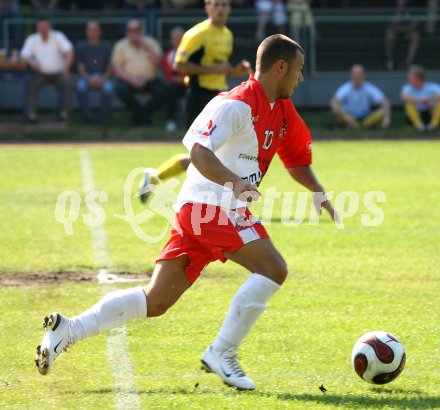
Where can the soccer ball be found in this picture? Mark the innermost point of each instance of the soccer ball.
(378, 357)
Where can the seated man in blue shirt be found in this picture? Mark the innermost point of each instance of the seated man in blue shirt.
(422, 101)
(358, 103)
(93, 58)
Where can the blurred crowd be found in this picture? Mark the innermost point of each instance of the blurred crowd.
(141, 75)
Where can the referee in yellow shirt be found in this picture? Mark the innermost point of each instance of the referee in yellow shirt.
(203, 56)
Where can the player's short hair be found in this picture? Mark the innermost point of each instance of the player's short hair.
(419, 71)
(275, 48)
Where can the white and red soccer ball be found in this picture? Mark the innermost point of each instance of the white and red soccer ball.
(378, 357)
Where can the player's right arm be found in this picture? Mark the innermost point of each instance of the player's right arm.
(211, 168)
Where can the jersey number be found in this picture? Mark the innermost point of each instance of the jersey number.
(268, 139)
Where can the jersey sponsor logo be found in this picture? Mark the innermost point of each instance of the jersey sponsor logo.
(211, 129)
(282, 131)
(253, 158)
(254, 178)
(268, 139)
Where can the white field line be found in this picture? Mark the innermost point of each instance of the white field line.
(127, 396)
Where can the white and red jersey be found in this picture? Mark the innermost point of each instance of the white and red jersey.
(244, 130)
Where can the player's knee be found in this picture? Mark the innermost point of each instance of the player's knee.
(156, 308)
(277, 270)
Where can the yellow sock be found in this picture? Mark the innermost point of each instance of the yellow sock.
(172, 167)
(373, 119)
(435, 120)
(413, 114)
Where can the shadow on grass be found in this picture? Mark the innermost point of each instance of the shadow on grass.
(384, 397)
(361, 402)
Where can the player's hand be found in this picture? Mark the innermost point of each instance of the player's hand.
(329, 208)
(245, 191)
(222, 68)
(242, 68)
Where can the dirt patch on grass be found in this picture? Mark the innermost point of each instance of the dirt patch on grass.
(49, 278)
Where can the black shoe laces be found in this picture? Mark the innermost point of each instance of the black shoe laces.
(232, 360)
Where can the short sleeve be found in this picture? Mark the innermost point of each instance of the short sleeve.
(154, 45)
(191, 42)
(375, 94)
(27, 50)
(342, 92)
(63, 42)
(118, 53)
(218, 122)
(80, 55)
(406, 89)
(436, 88)
(296, 148)
(107, 53)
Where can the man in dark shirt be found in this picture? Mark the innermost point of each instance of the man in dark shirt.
(93, 62)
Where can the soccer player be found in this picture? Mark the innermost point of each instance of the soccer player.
(231, 145)
(203, 56)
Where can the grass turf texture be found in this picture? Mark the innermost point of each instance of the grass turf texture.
(342, 283)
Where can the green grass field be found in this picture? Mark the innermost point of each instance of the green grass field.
(342, 283)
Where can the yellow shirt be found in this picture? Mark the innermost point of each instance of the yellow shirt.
(207, 45)
(136, 60)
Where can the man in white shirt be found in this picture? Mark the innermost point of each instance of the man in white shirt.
(359, 103)
(49, 55)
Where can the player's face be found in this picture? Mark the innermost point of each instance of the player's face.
(292, 78)
(218, 11)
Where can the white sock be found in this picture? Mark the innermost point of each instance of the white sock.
(113, 310)
(246, 307)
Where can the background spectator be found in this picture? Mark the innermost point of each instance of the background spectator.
(136, 60)
(132, 7)
(266, 9)
(175, 81)
(431, 16)
(422, 101)
(49, 54)
(354, 102)
(93, 58)
(301, 24)
(402, 23)
(12, 8)
(170, 5)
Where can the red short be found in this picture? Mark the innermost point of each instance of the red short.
(203, 232)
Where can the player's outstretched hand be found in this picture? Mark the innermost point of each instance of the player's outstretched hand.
(245, 191)
(329, 208)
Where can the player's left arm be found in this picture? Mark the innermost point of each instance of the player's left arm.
(305, 176)
(295, 151)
